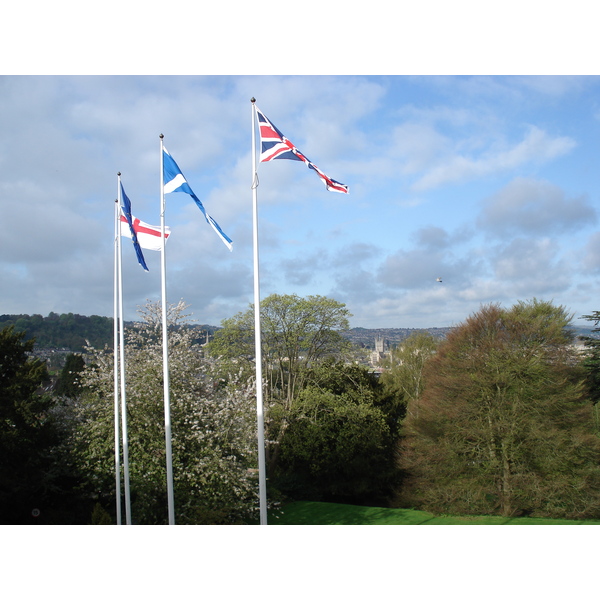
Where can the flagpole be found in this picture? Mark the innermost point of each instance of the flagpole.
(260, 423)
(122, 371)
(116, 362)
(165, 341)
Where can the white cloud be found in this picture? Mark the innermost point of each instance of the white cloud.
(536, 147)
(532, 206)
(591, 257)
(533, 266)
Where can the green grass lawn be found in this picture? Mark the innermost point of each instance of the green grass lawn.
(324, 513)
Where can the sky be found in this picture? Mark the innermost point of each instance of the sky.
(468, 159)
(487, 182)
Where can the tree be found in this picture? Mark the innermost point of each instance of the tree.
(66, 330)
(69, 380)
(403, 375)
(591, 363)
(340, 439)
(213, 429)
(295, 333)
(27, 430)
(503, 425)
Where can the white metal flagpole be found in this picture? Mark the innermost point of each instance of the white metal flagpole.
(165, 341)
(260, 423)
(116, 361)
(122, 373)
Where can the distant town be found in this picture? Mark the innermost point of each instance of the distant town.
(58, 335)
(365, 338)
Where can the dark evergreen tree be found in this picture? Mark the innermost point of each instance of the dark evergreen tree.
(340, 438)
(591, 363)
(69, 380)
(592, 358)
(27, 431)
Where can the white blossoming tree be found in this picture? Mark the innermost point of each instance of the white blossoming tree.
(213, 428)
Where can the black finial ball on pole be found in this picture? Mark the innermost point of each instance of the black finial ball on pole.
(161, 136)
(253, 99)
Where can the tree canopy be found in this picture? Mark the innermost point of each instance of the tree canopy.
(213, 429)
(591, 364)
(27, 430)
(330, 429)
(503, 425)
(498, 418)
(403, 374)
(66, 330)
(340, 438)
(295, 333)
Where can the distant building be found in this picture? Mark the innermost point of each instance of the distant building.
(380, 353)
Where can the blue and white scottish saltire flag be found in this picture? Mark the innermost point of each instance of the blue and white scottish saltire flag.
(126, 212)
(275, 145)
(174, 181)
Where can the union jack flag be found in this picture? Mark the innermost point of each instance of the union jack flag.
(275, 145)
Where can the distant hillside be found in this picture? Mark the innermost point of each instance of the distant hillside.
(66, 331)
(71, 332)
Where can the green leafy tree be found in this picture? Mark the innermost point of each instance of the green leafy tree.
(403, 374)
(213, 429)
(503, 424)
(340, 439)
(296, 333)
(27, 431)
